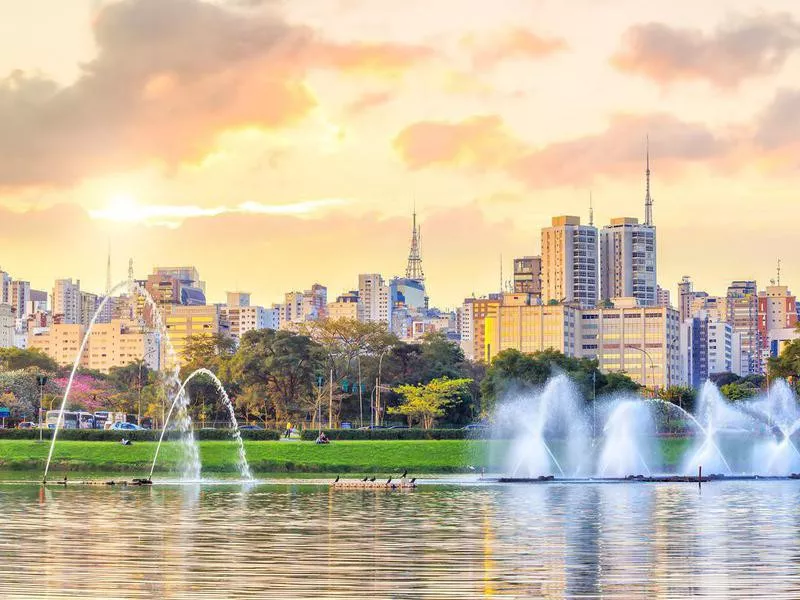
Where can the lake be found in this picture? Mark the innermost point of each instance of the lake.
(295, 539)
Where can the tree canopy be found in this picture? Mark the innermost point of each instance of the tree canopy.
(424, 403)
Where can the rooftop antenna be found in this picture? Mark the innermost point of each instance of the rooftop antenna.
(414, 267)
(779, 271)
(648, 200)
(130, 270)
(591, 210)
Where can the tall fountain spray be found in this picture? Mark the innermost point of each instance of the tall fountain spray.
(628, 440)
(548, 431)
(779, 413)
(191, 462)
(244, 467)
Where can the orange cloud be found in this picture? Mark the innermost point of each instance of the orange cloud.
(745, 48)
(370, 58)
(475, 142)
(367, 102)
(511, 44)
(483, 142)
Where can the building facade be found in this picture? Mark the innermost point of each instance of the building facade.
(67, 300)
(569, 262)
(628, 261)
(184, 322)
(375, 300)
(528, 275)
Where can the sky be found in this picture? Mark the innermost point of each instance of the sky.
(275, 144)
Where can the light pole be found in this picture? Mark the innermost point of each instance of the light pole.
(378, 387)
(41, 380)
(360, 398)
(652, 367)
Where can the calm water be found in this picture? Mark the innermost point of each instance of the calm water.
(297, 540)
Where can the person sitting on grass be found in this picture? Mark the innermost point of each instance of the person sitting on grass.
(323, 439)
(125, 442)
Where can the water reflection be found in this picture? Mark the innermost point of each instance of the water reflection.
(730, 539)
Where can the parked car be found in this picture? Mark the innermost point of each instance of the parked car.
(120, 426)
(26, 425)
(476, 427)
(250, 427)
(368, 427)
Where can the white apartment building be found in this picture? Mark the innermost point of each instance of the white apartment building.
(374, 299)
(7, 328)
(569, 262)
(67, 300)
(628, 261)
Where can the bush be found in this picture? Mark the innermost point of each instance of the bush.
(146, 435)
(310, 435)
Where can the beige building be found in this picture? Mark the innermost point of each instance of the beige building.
(569, 262)
(6, 326)
(60, 342)
(343, 309)
(183, 322)
(113, 344)
(642, 342)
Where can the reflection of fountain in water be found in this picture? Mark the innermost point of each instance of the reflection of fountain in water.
(548, 430)
(629, 437)
(181, 398)
(184, 424)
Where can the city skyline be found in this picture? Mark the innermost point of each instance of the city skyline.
(318, 182)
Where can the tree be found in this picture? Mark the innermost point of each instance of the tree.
(787, 364)
(512, 368)
(281, 365)
(426, 402)
(14, 359)
(739, 391)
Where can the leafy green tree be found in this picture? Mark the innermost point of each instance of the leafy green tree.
(787, 364)
(512, 368)
(739, 391)
(14, 359)
(427, 402)
(283, 366)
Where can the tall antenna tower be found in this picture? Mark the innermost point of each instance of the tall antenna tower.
(648, 200)
(779, 271)
(591, 210)
(414, 267)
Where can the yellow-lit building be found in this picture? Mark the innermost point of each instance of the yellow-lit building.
(113, 344)
(522, 325)
(342, 309)
(183, 322)
(474, 315)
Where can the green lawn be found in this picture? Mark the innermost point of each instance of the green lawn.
(418, 456)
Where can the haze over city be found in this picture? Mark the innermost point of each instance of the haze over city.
(273, 144)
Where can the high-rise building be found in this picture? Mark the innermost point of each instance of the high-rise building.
(628, 261)
(5, 287)
(292, 309)
(529, 327)
(569, 262)
(191, 290)
(113, 344)
(528, 275)
(707, 346)
(67, 301)
(184, 322)
(238, 299)
(315, 303)
(641, 341)
(38, 301)
(777, 309)
(742, 314)
(662, 296)
(21, 298)
(474, 315)
(242, 319)
(6, 326)
(374, 297)
(685, 297)
(716, 307)
(345, 307)
(88, 306)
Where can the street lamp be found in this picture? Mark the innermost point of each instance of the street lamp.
(378, 387)
(652, 366)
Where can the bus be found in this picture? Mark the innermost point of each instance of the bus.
(70, 419)
(85, 420)
(104, 419)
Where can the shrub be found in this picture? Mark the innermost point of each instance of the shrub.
(146, 435)
(310, 435)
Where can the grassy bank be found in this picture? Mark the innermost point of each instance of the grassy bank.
(418, 456)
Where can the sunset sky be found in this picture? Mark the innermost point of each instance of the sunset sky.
(274, 144)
